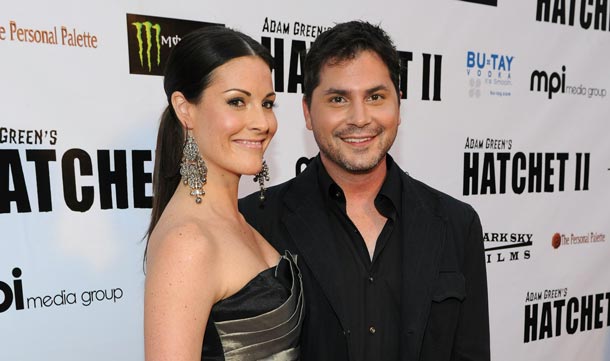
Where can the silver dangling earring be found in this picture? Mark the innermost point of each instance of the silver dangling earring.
(192, 168)
(261, 177)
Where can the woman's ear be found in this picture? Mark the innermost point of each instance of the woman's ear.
(182, 109)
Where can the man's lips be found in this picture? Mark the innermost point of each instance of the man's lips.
(360, 140)
(357, 140)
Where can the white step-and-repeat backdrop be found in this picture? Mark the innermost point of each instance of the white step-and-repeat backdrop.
(506, 107)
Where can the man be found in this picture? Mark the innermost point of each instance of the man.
(392, 269)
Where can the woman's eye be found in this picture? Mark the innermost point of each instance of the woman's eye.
(269, 104)
(236, 102)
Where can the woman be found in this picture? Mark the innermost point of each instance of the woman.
(214, 288)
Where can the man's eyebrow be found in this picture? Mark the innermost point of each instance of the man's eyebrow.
(336, 91)
(346, 92)
(376, 89)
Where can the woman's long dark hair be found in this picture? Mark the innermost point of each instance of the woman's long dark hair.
(189, 70)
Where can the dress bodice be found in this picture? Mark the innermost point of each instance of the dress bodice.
(262, 321)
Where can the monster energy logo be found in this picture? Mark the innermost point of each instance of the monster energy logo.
(148, 26)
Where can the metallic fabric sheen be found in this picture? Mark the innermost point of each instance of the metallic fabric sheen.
(272, 336)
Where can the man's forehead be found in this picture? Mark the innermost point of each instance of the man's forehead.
(364, 66)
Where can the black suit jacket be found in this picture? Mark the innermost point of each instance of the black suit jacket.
(444, 314)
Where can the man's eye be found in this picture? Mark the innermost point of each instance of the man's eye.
(376, 97)
(337, 99)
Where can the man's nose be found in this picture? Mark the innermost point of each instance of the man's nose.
(359, 114)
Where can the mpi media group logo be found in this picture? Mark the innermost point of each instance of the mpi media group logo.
(150, 39)
(14, 295)
(557, 82)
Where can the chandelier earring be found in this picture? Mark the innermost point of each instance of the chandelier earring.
(261, 177)
(192, 168)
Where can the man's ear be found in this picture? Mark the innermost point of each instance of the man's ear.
(182, 109)
(306, 113)
(399, 102)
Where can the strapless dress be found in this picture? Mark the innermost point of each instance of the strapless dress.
(262, 321)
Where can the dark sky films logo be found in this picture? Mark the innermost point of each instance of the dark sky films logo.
(571, 239)
(483, 2)
(507, 247)
(550, 313)
(489, 74)
(150, 39)
(555, 83)
(582, 12)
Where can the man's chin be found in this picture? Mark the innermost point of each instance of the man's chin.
(359, 166)
(361, 163)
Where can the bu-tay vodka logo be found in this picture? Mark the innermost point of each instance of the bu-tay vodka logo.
(489, 74)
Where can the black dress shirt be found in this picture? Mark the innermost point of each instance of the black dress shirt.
(370, 288)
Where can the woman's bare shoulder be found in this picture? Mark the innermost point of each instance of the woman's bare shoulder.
(185, 241)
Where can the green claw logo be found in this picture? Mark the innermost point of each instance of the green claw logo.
(148, 26)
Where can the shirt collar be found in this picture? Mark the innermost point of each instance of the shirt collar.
(392, 185)
(390, 189)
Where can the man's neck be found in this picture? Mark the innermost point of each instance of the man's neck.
(357, 186)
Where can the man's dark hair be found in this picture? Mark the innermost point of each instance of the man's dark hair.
(343, 42)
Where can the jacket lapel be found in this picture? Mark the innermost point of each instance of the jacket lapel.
(424, 235)
(310, 230)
